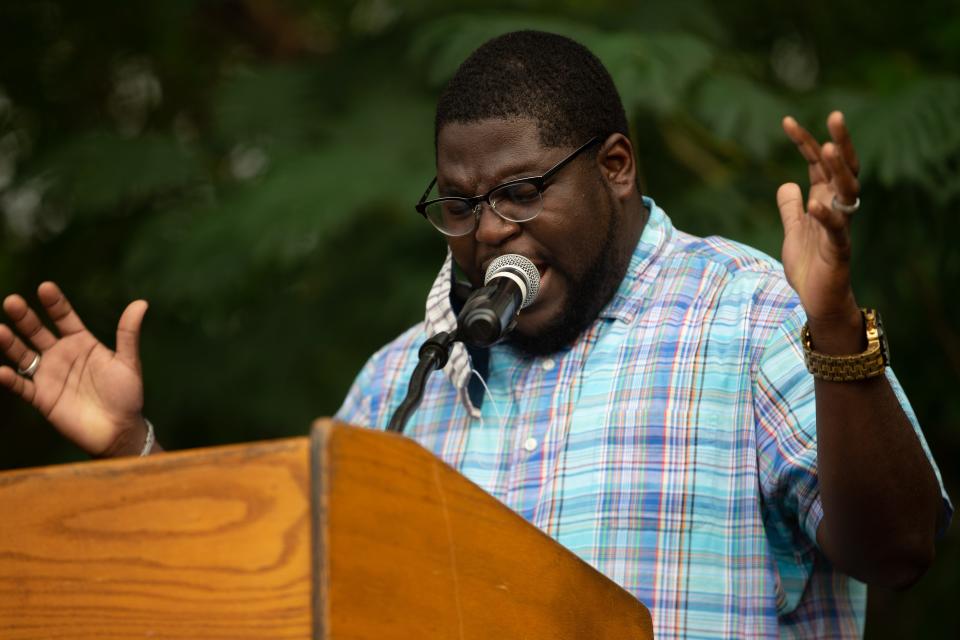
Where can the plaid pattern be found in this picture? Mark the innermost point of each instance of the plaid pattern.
(673, 447)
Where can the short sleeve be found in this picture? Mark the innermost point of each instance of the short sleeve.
(785, 415)
(785, 411)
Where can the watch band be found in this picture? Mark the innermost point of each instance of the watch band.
(850, 368)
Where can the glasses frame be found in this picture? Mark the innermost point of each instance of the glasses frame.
(539, 182)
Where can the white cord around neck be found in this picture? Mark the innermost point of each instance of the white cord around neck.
(493, 402)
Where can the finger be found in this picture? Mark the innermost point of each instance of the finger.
(844, 181)
(58, 308)
(18, 384)
(837, 126)
(14, 348)
(790, 203)
(28, 323)
(834, 223)
(128, 333)
(808, 147)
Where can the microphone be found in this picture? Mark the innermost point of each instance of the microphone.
(490, 313)
(511, 283)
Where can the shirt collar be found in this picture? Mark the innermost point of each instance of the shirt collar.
(643, 269)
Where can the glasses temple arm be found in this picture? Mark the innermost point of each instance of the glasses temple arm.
(427, 192)
(560, 165)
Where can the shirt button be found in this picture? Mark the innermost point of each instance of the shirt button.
(548, 364)
(530, 444)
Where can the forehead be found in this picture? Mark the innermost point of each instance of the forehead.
(469, 154)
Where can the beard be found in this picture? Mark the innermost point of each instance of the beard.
(586, 297)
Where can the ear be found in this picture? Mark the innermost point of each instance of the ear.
(617, 165)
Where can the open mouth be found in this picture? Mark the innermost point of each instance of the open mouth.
(544, 279)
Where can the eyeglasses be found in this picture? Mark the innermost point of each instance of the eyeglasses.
(519, 200)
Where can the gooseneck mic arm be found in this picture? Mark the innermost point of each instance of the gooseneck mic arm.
(433, 355)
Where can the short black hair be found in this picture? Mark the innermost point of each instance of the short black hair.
(545, 77)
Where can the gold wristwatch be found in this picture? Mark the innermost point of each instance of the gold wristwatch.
(859, 366)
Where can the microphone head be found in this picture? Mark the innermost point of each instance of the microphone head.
(515, 266)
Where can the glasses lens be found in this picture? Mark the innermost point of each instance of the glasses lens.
(518, 202)
(453, 217)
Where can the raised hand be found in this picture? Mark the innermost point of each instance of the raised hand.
(90, 394)
(816, 242)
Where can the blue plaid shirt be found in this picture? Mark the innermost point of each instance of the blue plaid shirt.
(673, 446)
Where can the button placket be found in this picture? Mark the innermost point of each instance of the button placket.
(535, 437)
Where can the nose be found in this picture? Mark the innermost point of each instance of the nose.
(491, 228)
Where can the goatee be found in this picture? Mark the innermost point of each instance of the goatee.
(586, 297)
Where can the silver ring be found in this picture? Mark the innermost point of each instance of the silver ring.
(836, 205)
(32, 369)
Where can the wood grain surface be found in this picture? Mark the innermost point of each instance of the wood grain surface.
(412, 549)
(200, 544)
(223, 543)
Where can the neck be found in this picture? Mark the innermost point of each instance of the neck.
(634, 216)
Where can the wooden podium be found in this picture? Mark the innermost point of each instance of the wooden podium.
(350, 533)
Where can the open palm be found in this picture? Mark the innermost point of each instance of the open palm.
(89, 393)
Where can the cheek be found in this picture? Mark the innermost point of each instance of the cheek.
(577, 240)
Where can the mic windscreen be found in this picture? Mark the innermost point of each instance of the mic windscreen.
(518, 269)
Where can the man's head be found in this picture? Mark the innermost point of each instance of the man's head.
(517, 106)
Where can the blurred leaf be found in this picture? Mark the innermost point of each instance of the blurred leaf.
(270, 104)
(444, 43)
(741, 110)
(650, 70)
(98, 172)
(914, 136)
(294, 210)
(653, 72)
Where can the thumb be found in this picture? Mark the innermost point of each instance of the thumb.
(128, 333)
(790, 203)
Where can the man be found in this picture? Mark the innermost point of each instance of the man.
(652, 410)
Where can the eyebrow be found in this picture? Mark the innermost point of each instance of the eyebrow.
(512, 171)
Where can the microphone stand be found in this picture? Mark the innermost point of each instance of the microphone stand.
(434, 354)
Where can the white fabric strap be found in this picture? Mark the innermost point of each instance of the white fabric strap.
(440, 317)
(151, 438)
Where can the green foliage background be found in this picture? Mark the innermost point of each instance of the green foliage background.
(249, 167)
